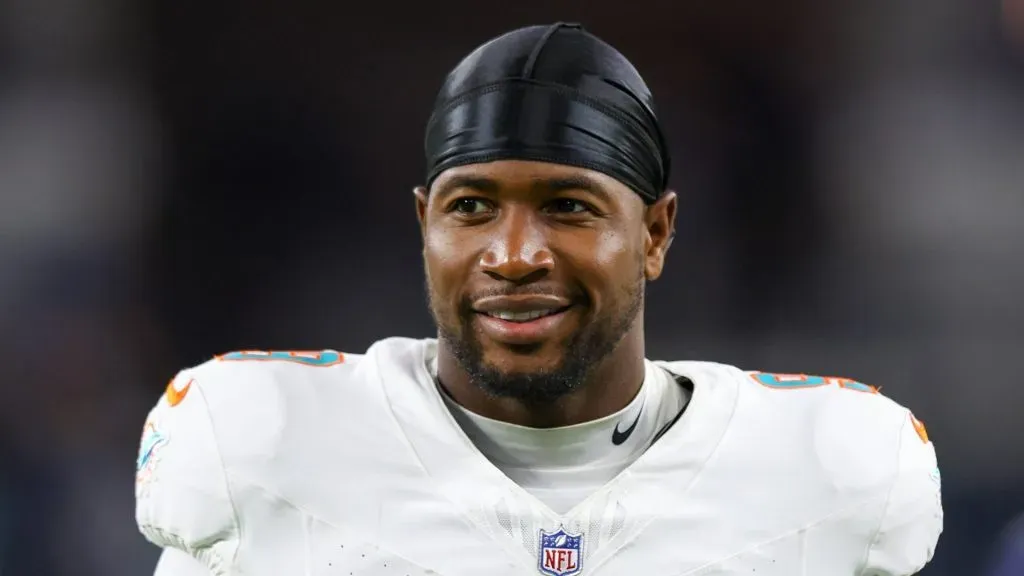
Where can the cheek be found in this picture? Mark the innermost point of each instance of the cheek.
(445, 261)
(612, 250)
(439, 247)
(603, 261)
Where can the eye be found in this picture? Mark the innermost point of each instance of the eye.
(569, 206)
(469, 206)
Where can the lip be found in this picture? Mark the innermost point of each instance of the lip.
(521, 303)
(522, 333)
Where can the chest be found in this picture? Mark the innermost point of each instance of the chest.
(667, 550)
(409, 525)
(383, 501)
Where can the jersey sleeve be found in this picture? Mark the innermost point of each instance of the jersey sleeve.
(912, 522)
(181, 490)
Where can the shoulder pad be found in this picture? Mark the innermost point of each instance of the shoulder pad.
(856, 430)
(182, 497)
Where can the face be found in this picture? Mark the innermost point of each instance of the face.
(535, 272)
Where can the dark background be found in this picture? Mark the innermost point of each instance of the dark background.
(181, 179)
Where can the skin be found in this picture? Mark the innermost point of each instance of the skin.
(520, 229)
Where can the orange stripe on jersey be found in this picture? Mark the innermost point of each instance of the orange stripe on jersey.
(922, 433)
(175, 394)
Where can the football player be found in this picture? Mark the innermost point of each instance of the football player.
(532, 436)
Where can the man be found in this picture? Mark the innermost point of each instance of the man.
(532, 436)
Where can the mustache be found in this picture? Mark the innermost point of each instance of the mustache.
(466, 303)
(527, 290)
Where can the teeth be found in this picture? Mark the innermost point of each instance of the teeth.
(520, 316)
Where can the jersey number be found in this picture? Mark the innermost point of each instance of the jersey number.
(798, 381)
(309, 358)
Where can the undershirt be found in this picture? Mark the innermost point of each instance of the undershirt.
(562, 466)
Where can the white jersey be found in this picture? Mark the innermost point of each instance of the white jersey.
(327, 463)
(563, 466)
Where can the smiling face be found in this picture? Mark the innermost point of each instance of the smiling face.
(536, 271)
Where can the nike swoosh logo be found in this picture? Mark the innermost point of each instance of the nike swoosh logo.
(620, 437)
(175, 395)
(685, 383)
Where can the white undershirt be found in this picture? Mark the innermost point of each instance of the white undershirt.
(562, 466)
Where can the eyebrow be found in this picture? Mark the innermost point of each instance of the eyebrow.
(478, 183)
(574, 182)
(550, 185)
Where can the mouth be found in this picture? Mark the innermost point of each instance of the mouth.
(522, 317)
(519, 320)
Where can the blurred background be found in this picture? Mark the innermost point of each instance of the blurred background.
(183, 179)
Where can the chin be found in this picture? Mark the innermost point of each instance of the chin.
(523, 360)
(529, 380)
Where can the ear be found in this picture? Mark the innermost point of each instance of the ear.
(422, 200)
(660, 222)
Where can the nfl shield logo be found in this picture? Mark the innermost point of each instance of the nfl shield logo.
(561, 553)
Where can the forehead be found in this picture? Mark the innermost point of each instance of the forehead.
(522, 175)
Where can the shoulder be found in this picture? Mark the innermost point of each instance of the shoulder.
(250, 396)
(858, 436)
(830, 447)
(252, 371)
(255, 401)
(845, 429)
(212, 420)
(868, 450)
(853, 424)
(261, 376)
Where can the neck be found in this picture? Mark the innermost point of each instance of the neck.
(609, 387)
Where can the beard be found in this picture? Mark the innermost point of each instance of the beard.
(584, 351)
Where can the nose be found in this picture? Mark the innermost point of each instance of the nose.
(518, 250)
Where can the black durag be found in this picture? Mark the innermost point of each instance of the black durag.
(551, 94)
